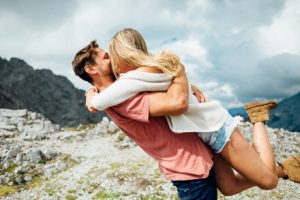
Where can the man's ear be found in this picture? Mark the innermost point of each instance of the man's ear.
(90, 69)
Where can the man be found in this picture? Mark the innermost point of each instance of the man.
(182, 158)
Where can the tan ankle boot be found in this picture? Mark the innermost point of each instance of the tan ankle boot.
(292, 167)
(259, 111)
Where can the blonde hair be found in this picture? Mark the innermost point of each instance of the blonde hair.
(129, 46)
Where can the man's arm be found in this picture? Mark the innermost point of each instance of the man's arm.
(172, 102)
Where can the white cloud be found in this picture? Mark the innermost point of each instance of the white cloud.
(224, 44)
(224, 93)
(192, 53)
(282, 36)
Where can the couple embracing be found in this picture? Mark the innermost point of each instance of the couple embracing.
(196, 142)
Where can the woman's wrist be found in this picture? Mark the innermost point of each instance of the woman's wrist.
(93, 88)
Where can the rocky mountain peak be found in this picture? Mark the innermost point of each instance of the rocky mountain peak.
(54, 96)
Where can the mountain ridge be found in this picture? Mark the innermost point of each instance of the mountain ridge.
(40, 90)
(285, 116)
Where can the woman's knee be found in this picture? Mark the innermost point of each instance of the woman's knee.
(268, 182)
(227, 191)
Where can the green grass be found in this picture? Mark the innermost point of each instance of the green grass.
(70, 197)
(5, 190)
(11, 168)
(106, 195)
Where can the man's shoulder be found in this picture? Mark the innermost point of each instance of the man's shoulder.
(135, 108)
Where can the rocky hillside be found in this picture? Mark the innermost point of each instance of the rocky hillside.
(22, 87)
(40, 161)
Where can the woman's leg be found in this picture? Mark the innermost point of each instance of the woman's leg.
(242, 157)
(230, 183)
(263, 146)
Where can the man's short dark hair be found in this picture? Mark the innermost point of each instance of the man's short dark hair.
(82, 58)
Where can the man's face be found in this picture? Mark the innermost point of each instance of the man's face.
(102, 61)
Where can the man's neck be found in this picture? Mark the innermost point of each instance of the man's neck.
(103, 82)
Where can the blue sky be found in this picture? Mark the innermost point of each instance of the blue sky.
(235, 51)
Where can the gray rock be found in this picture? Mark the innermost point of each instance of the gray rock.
(20, 125)
(7, 127)
(20, 158)
(112, 128)
(33, 115)
(60, 166)
(21, 170)
(99, 129)
(33, 155)
(105, 122)
(28, 178)
(6, 164)
(29, 125)
(19, 180)
(6, 134)
(53, 168)
(15, 113)
(49, 170)
(48, 152)
(68, 135)
(13, 152)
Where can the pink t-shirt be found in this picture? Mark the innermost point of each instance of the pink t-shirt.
(180, 156)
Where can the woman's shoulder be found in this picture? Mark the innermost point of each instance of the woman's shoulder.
(149, 69)
(145, 74)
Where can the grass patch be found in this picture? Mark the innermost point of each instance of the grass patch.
(115, 165)
(72, 191)
(71, 197)
(6, 190)
(106, 195)
(120, 137)
(69, 129)
(11, 168)
(67, 159)
(36, 182)
(82, 127)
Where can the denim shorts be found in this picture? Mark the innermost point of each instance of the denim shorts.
(218, 139)
(199, 189)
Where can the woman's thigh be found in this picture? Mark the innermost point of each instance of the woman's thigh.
(244, 159)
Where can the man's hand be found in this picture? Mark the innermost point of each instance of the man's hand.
(88, 101)
(200, 96)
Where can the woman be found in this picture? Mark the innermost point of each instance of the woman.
(145, 72)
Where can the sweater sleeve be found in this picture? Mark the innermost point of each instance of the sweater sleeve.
(125, 88)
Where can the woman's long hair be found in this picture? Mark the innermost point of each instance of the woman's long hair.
(129, 46)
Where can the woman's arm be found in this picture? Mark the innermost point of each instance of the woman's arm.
(126, 87)
(172, 102)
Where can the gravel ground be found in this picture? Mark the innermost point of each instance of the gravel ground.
(104, 169)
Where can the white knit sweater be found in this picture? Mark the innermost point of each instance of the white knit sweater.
(200, 117)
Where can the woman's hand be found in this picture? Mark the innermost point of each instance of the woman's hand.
(200, 96)
(89, 96)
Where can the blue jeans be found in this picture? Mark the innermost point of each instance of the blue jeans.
(199, 189)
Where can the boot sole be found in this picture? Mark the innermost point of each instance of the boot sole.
(269, 104)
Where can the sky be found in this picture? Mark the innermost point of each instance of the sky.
(235, 51)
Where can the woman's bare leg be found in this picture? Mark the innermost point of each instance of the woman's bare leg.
(242, 157)
(263, 146)
(230, 183)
